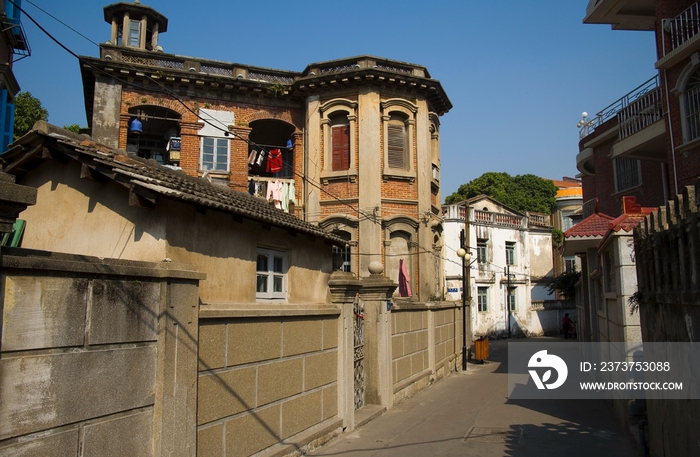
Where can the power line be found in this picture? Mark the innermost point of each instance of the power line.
(163, 89)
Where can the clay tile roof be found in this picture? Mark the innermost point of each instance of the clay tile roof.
(626, 222)
(594, 225)
(148, 177)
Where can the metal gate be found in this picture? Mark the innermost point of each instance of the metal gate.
(359, 353)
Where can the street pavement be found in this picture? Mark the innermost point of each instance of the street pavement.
(469, 414)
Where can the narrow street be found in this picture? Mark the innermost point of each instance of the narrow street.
(469, 414)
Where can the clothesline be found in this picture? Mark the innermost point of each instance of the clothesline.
(269, 178)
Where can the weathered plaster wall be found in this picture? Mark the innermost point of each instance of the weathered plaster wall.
(86, 217)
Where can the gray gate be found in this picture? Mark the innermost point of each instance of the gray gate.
(359, 353)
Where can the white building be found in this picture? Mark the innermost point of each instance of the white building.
(511, 263)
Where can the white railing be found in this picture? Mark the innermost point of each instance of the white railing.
(681, 28)
(614, 108)
(639, 115)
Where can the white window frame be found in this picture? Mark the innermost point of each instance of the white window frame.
(512, 295)
(482, 298)
(511, 258)
(482, 250)
(270, 274)
(215, 155)
(133, 34)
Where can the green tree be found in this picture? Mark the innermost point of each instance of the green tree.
(28, 110)
(565, 283)
(75, 128)
(521, 192)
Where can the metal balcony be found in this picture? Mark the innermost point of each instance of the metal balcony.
(681, 29)
(639, 108)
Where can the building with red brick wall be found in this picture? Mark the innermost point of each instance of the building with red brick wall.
(358, 138)
(647, 143)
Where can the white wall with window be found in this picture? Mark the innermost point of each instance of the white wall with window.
(271, 274)
(501, 241)
(482, 299)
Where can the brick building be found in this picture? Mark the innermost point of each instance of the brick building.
(646, 143)
(357, 139)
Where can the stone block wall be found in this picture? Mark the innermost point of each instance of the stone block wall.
(268, 379)
(667, 249)
(90, 352)
(423, 344)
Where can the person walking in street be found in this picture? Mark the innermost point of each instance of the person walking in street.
(566, 324)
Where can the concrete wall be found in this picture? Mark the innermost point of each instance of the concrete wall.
(91, 353)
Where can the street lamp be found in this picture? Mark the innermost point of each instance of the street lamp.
(584, 124)
(464, 254)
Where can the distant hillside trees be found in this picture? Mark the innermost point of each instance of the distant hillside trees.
(521, 192)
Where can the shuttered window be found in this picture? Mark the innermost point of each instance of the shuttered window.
(341, 147)
(396, 141)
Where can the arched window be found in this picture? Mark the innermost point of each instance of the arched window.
(691, 99)
(342, 257)
(397, 148)
(339, 129)
(340, 141)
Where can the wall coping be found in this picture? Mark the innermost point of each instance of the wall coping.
(238, 310)
(410, 306)
(31, 259)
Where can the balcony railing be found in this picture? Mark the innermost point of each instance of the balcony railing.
(639, 93)
(681, 28)
(200, 66)
(640, 114)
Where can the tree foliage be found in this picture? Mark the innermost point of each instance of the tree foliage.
(522, 192)
(28, 110)
(565, 283)
(75, 128)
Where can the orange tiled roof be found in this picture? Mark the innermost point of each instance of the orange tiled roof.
(594, 225)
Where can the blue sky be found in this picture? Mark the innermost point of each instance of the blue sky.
(519, 73)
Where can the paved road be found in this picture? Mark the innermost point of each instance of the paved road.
(469, 414)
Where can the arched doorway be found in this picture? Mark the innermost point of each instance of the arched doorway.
(155, 134)
(268, 135)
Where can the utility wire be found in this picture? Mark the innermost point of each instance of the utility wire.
(175, 96)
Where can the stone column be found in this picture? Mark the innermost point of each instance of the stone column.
(344, 288)
(376, 291)
(312, 146)
(370, 177)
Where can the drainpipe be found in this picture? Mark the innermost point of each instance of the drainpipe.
(670, 132)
